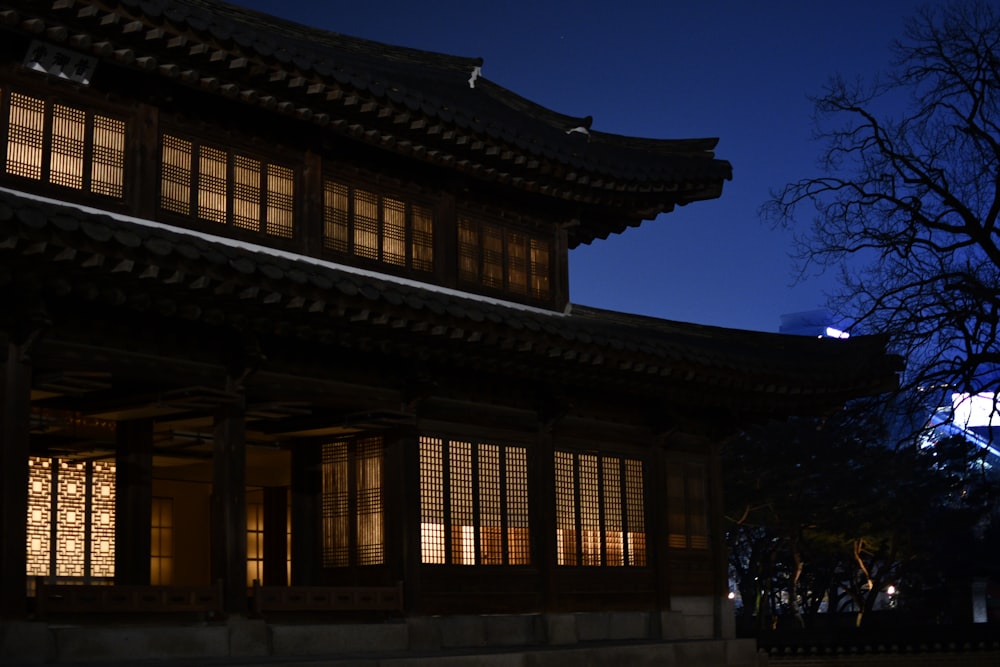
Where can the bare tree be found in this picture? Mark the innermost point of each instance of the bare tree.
(907, 204)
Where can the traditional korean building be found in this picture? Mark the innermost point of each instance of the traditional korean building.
(287, 327)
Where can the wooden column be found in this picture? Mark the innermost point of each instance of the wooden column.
(307, 480)
(14, 452)
(542, 504)
(229, 510)
(403, 455)
(275, 536)
(133, 500)
(657, 529)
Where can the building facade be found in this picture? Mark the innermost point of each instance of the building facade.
(288, 307)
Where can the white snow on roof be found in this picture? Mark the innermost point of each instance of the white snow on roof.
(302, 259)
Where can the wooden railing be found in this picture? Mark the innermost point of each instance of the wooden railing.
(327, 598)
(102, 599)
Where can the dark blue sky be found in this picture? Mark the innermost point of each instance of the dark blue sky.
(741, 71)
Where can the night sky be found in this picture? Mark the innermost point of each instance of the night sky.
(740, 71)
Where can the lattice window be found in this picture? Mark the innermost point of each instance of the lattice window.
(502, 259)
(71, 518)
(687, 505)
(65, 146)
(353, 502)
(255, 536)
(161, 561)
(377, 227)
(226, 187)
(599, 510)
(473, 503)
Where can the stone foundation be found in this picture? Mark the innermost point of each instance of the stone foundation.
(538, 640)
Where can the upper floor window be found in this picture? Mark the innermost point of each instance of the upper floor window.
(64, 145)
(378, 227)
(502, 259)
(226, 187)
(599, 510)
(473, 503)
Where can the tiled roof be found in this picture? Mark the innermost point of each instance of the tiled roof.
(414, 102)
(214, 282)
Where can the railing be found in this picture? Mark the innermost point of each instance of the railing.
(327, 598)
(103, 599)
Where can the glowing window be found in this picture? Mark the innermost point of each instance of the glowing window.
(599, 510)
(501, 259)
(255, 536)
(65, 146)
(161, 552)
(225, 187)
(687, 505)
(377, 227)
(473, 503)
(71, 519)
(353, 502)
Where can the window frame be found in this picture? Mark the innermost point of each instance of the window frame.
(92, 110)
(688, 512)
(346, 246)
(512, 504)
(582, 509)
(350, 552)
(492, 269)
(200, 155)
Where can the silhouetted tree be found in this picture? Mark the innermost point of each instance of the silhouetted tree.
(907, 203)
(824, 514)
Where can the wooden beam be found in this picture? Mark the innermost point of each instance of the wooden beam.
(16, 425)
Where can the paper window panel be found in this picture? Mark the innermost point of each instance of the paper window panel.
(517, 263)
(102, 522)
(422, 238)
(71, 518)
(246, 193)
(255, 537)
(25, 136)
(370, 510)
(468, 251)
(161, 564)
(635, 504)
(69, 128)
(539, 268)
(490, 514)
(393, 232)
(335, 506)
(463, 536)
(280, 207)
(39, 516)
(432, 514)
(492, 275)
(614, 537)
(107, 172)
(366, 224)
(175, 175)
(213, 185)
(336, 216)
(518, 535)
(566, 546)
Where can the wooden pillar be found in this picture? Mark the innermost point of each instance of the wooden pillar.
(657, 529)
(229, 510)
(14, 450)
(133, 500)
(403, 473)
(542, 502)
(275, 535)
(307, 480)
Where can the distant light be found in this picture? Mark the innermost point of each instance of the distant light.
(891, 590)
(732, 595)
(836, 333)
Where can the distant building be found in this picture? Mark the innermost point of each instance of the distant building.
(819, 323)
(288, 331)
